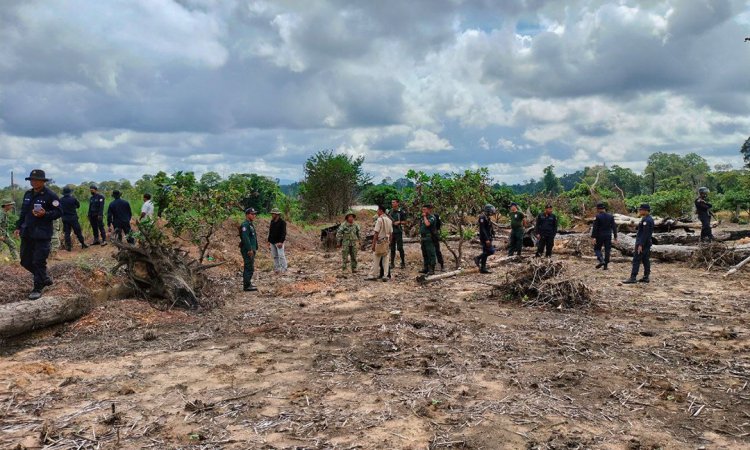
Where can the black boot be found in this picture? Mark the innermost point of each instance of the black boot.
(630, 280)
(605, 266)
(431, 271)
(424, 270)
(484, 270)
(477, 262)
(645, 279)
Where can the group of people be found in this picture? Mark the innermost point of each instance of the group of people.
(249, 245)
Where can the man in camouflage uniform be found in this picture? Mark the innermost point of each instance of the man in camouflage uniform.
(347, 237)
(5, 236)
(249, 246)
(426, 232)
(517, 230)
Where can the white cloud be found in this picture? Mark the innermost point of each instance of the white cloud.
(427, 141)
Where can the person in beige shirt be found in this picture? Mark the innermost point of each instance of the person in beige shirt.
(381, 244)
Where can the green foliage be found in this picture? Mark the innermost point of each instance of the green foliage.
(550, 181)
(381, 194)
(502, 197)
(256, 191)
(667, 203)
(745, 150)
(332, 183)
(692, 171)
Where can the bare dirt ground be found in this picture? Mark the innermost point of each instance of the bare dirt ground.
(322, 359)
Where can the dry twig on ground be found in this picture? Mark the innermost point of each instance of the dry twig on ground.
(715, 254)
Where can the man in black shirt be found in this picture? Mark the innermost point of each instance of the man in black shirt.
(119, 214)
(69, 206)
(276, 241)
(546, 230)
(601, 233)
(96, 216)
(703, 208)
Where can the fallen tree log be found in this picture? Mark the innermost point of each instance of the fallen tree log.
(25, 316)
(626, 245)
(465, 270)
(737, 267)
(630, 224)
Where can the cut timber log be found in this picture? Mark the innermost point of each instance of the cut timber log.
(25, 316)
(465, 271)
(629, 223)
(626, 244)
(737, 267)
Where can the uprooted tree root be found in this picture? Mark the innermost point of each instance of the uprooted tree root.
(542, 282)
(715, 254)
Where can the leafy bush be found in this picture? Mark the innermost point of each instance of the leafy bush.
(670, 203)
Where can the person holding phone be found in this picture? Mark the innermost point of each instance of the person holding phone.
(40, 207)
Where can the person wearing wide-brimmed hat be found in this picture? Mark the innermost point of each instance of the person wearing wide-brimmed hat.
(277, 240)
(348, 237)
(5, 238)
(40, 207)
(642, 254)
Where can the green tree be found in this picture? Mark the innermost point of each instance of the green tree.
(625, 181)
(255, 191)
(332, 183)
(692, 169)
(210, 180)
(745, 150)
(381, 194)
(550, 182)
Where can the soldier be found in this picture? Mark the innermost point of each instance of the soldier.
(436, 239)
(5, 237)
(601, 235)
(249, 246)
(347, 237)
(517, 230)
(486, 233)
(642, 246)
(546, 229)
(55, 241)
(69, 206)
(119, 214)
(703, 208)
(426, 232)
(96, 216)
(40, 207)
(398, 218)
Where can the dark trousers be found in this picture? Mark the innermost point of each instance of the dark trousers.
(545, 244)
(397, 242)
(123, 229)
(487, 251)
(706, 234)
(644, 257)
(248, 271)
(438, 252)
(72, 225)
(34, 254)
(605, 242)
(516, 242)
(97, 227)
(428, 253)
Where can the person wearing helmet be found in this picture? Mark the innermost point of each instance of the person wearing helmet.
(486, 233)
(546, 230)
(703, 208)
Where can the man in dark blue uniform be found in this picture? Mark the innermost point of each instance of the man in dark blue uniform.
(96, 216)
(40, 207)
(486, 233)
(703, 208)
(642, 253)
(69, 206)
(546, 230)
(601, 233)
(119, 214)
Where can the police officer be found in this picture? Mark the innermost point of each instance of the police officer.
(69, 206)
(703, 208)
(601, 234)
(5, 237)
(249, 246)
(348, 237)
(642, 253)
(96, 215)
(517, 230)
(40, 207)
(486, 233)
(426, 232)
(398, 217)
(119, 214)
(436, 238)
(546, 230)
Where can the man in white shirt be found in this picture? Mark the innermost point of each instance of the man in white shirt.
(381, 245)
(147, 210)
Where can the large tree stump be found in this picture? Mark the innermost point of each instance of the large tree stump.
(25, 316)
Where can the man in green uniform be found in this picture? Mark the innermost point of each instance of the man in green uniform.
(517, 230)
(348, 238)
(249, 248)
(398, 217)
(5, 236)
(426, 232)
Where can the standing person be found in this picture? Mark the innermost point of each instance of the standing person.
(96, 216)
(249, 246)
(40, 207)
(5, 237)
(642, 253)
(347, 237)
(147, 210)
(546, 230)
(486, 233)
(517, 230)
(398, 219)
(426, 232)
(381, 245)
(55, 241)
(119, 215)
(703, 208)
(69, 206)
(601, 234)
(436, 239)
(276, 241)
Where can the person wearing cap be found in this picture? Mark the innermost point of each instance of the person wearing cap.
(276, 241)
(642, 254)
(517, 230)
(249, 247)
(486, 234)
(381, 246)
(427, 231)
(703, 209)
(69, 206)
(119, 214)
(398, 218)
(40, 207)
(348, 237)
(5, 236)
(96, 216)
(601, 234)
(546, 230)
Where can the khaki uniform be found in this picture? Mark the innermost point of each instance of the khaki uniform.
(348, 236)
(380, 266)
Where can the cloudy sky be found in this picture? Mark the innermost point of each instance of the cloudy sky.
(116, 88)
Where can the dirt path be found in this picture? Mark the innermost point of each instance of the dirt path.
(320, 359)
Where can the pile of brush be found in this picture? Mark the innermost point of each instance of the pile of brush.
(543, 282)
